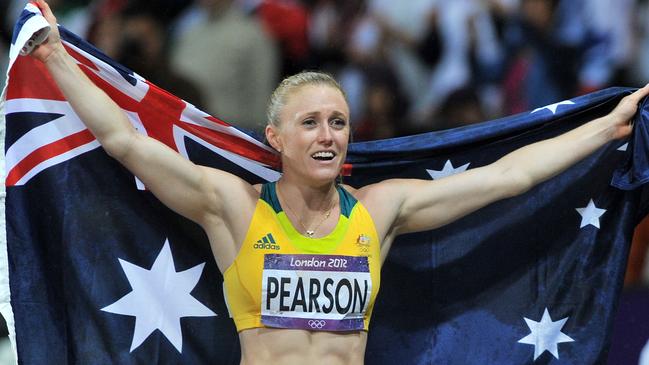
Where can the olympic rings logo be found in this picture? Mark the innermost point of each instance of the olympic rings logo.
(317, 323)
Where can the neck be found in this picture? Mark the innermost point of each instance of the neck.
(307, 198)
(309, 207)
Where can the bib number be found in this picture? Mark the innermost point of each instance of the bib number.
(315, 292)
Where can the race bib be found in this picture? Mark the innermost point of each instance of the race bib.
(315, 292)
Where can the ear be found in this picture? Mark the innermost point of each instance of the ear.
(272, 136)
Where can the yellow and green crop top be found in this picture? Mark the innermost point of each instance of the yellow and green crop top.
(283, 279)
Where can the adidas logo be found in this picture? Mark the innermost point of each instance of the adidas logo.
(267, 242)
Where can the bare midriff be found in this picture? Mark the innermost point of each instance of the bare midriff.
(291, 346)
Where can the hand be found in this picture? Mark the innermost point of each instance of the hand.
(53, 41)
(624, 111)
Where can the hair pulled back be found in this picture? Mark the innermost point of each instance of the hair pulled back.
(280, 96)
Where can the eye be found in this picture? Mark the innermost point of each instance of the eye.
(309, 122)
(338, 123)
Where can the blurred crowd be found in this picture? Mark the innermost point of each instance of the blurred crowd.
(407, 66)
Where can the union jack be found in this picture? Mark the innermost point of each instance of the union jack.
(53, 133)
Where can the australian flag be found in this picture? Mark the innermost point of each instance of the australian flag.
(95, 270)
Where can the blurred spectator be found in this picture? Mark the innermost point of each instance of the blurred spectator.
(6, 23)
(332, 22)
(539, 66)
(434, 47)
(335, 44)
(195, 14)
(164, 11)
(556, 49)
(286, 22)
(232, 61)
(461, 107)
(106, 25)
(471, 55)
(383, 106)
(141, 47)
(639, 73)
(501, 11)
(607, 41)
(390, 34)
(74, 14)
(561, 48)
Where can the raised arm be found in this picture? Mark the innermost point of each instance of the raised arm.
(417, 205)
(181, 185)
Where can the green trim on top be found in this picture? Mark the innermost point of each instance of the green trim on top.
(320, 245)
(269, 195)
(347, 201)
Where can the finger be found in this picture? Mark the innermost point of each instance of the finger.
(47, 12)
(639, 94)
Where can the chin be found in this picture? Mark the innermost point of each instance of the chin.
(324, 176)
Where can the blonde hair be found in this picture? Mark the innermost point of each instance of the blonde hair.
(279, 98)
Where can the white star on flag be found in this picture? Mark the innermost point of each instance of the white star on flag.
(545, 335)
(590, 214)
(448, 170)
(160, 297)
(623, 147)
(553, 107)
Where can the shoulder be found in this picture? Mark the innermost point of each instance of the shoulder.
(382, 200)
(232, 194)
(232, 204)
(382, 192)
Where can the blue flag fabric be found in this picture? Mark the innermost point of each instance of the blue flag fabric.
(100, 272)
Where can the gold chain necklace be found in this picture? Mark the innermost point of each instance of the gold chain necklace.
(308, 232)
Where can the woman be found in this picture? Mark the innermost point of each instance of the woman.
(336, 236)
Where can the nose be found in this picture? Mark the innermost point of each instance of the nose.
(325, 134)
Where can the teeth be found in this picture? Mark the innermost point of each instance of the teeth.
(323, 155)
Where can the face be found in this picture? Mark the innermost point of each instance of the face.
(538, 13)
(313, 133)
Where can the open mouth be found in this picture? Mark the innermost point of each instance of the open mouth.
(323, 156)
